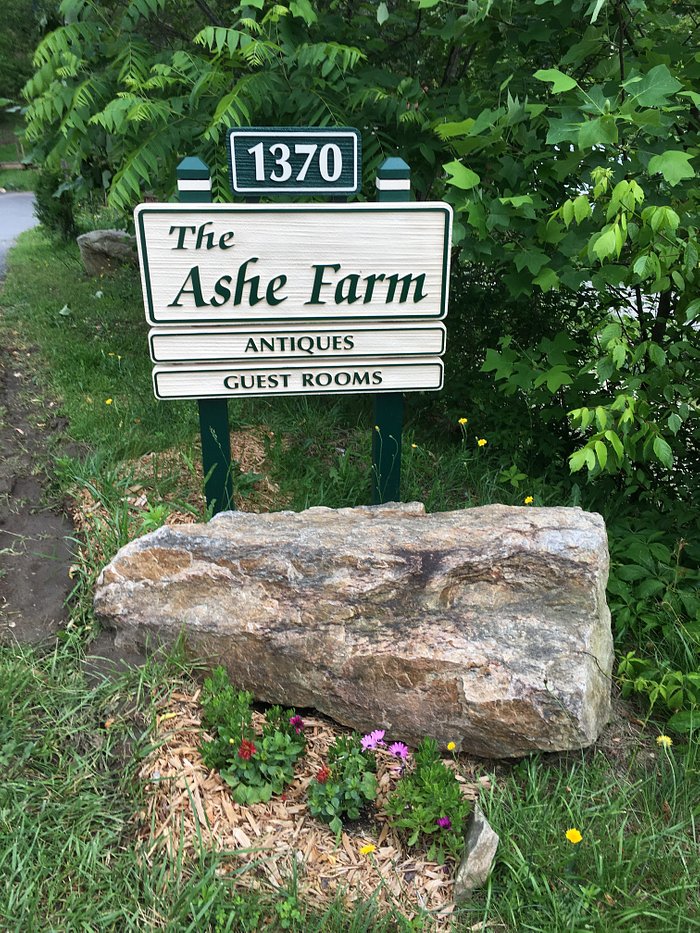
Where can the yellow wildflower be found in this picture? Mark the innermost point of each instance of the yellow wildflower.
(482, 442)
(368, 849)
(664, 740)
(574, 836)
(463, 421)
(451, 746)
(376, 427)
(414, 446)
(528, 500)
(108, 401)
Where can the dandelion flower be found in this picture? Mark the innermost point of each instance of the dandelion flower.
(528, 500)
(482, 442)
(574, 836)
(664, 740)
(463, 421)
(368, 849)
(414, 446)
(108, 401)
(451, 746)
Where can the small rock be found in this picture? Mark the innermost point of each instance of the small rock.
(480, 850)
(102, 250)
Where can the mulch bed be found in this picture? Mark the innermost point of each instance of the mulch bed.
(188, 806)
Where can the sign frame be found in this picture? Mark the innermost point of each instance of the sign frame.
(346, 136)
(332, 313)
(371, 363)
(386, 332)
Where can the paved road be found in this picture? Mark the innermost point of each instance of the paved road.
(16, 216)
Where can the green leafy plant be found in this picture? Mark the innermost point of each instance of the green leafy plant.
(427, 806)
(55, 203)
(255, 766)
(345, 786)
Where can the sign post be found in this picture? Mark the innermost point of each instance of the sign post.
(194, 186)
(393, 184)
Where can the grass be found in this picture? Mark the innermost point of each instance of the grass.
(68, 858)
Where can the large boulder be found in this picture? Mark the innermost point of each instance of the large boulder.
(103, 250)
(487, 627)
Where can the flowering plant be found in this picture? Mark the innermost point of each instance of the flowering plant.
(256, 766)
(345, 785)
(427, 806)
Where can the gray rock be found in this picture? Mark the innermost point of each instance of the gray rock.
(103, 250)
(487, 627)
(479, 852)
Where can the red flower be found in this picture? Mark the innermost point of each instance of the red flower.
(246, 750)
(323, 774)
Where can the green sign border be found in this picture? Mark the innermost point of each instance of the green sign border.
(365, 324)
(354, 390)
(329, 188)
(242, 209)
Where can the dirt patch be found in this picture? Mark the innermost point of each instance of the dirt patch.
(35, 550)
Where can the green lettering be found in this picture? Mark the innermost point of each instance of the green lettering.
(195, 290)
(406, 281)
(315, 298)
(351, 295)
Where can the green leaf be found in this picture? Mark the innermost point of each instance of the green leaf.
(674, 422)
(382, 13)
(462, 177)
(673, 164)
(302, 9)
(615, 443)
(601, 453)
(547, 280)
(599, 132)
(560, 81)
(577, 460)
(582, 208)
(685, 721)
(663, 452)
(654, 89)
(693, 309)
(606, 244)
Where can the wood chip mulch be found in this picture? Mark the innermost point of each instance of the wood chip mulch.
(189, 806)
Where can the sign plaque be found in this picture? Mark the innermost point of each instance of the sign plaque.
(295, 160)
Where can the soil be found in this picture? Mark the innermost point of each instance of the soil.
(35, 554)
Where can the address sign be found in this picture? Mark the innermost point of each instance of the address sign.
(295, 160)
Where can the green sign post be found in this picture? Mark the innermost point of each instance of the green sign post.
(194, 186)
(393, 184)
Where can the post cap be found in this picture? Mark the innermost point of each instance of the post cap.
(192, 167)
(394, 167)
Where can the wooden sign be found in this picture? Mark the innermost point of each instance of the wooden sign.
(321, 378)
(295, 160)
(236, 263)
(252, 344)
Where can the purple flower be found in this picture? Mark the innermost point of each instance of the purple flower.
(297, 722)
(444, 822)
(372, 740)
(399, 750)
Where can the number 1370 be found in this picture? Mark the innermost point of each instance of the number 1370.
(329, 157)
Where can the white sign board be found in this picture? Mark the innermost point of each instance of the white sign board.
(315, 378)
(236, 263)
(274, 342)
